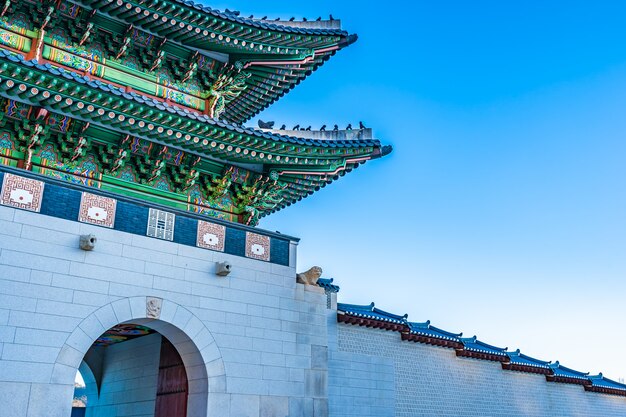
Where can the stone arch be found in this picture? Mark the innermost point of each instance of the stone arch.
(194, 342)
(92, 386)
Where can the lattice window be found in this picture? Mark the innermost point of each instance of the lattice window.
(161, 224)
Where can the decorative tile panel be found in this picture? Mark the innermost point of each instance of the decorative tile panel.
(211, 236)
(161, 224)
(257, 246)
(20, 192)
(97, 210)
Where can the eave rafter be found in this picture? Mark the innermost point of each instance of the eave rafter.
(303, 166)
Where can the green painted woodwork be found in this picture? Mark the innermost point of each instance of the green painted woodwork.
(64, 127)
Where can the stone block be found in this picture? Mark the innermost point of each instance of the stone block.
(147, 255)
(217, 384)
(42, 321)
(319, 357)
(122, 311)
(7, 213)
(316, 383)
(34, 261)
(79, 283)
(14, 302)
(244, 405)
(320, 407)
(274, 406)
(218, 405)
(38, 337)
(15, 273)
(9, 228)
(100, 258)
(18, 371)
(63, 374)
(46, 222)
(7, 334)
(92, 327)
(63, 309)
(13, 395)
(29, 353)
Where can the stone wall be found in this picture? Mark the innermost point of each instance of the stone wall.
(129, 383)
(260, 339)
(432, 380)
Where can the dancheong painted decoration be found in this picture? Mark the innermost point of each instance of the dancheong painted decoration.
(148, 98)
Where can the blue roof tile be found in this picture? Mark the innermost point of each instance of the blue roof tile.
(601, 382)
(371, 312)
(425, 329)
(475, 345)
(518, 358)
(327, 284)
(562, 372)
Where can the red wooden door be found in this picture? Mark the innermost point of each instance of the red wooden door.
(171, 400)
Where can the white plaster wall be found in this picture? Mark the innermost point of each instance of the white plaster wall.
(433, 381)
(129, 381)
(267, 329)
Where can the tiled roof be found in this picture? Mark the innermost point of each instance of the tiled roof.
(561, 371)
(371, 312)
(327, 284)
(475, 345)
(519, 359)
(261, 24)
(601, 384)
(425, 329)
(142, 99)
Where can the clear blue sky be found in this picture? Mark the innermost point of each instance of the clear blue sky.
(502, 210)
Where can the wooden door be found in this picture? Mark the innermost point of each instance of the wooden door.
(171, 400)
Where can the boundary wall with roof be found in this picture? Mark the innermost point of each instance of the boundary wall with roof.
(376, 369)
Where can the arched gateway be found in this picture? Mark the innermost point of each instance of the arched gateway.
(170, 357)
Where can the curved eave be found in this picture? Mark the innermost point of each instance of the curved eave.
(172, 125)
(205, 28)
(233, 17)
(370, 322)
